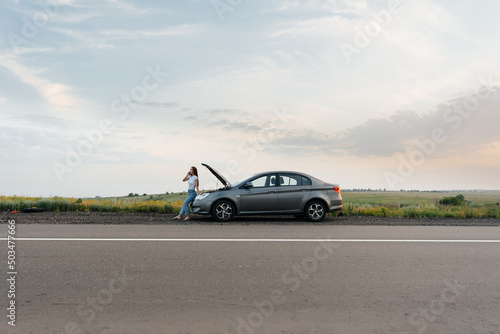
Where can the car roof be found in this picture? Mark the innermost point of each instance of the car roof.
(287, 172)
(283, 172)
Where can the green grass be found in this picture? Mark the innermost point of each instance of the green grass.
(414, 198)
(381, 204)
(175, 197)
(420, 204)
(119, 204)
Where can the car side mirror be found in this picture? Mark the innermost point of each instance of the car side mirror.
(248, 185)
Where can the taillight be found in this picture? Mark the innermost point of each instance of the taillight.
(337, 189)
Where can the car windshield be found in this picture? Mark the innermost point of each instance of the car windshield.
(240, 182)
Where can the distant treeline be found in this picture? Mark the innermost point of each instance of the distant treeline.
(424, 191)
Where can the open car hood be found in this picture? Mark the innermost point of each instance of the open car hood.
(218, 176)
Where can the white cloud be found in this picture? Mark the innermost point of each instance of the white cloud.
(466, 132)
(255, 83)
(71, 3)
(57, 94)
(318, 27)
(126, 6)
(26, 50)
(106, 39)
(181, 30)
(76, 17)
(328, 6)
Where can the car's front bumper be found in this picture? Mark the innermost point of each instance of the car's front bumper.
(201, 207)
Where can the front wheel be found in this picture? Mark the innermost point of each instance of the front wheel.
(223, 211)
(315, 211)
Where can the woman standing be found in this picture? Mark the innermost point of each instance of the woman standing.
(193, 182)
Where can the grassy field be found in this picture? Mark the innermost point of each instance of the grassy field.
(414, 198)
(117, 204)
(420, 204)
(383, 204)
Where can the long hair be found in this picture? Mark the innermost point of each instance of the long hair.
(195, 170)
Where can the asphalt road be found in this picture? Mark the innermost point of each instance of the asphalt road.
(253, 279)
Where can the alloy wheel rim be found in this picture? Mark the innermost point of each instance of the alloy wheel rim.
(316, 211)
(224, 211)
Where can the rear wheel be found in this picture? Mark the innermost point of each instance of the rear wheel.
(315, 211)
(223, 211)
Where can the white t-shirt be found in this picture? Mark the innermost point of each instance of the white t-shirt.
(191, 181)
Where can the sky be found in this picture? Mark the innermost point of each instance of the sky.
(107, 98)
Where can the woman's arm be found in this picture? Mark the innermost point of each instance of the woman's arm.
(197, 183)
(185, 178)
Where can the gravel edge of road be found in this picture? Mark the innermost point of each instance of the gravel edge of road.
(111, 218)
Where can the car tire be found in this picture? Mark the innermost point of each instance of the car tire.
(315, 211)
(223, 211)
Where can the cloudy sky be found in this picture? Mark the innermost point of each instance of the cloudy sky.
(110, 97)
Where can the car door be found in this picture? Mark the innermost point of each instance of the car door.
(261, 196)
(293, 192)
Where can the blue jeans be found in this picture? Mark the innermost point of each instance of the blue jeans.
(189, 200)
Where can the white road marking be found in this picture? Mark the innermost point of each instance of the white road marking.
(260, 240)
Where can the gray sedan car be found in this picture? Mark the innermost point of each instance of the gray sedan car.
(277, 192)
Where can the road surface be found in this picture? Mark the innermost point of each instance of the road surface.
(252, 279)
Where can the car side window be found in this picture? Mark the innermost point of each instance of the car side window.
(290, 180)
(306, 181)
(264, 181)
